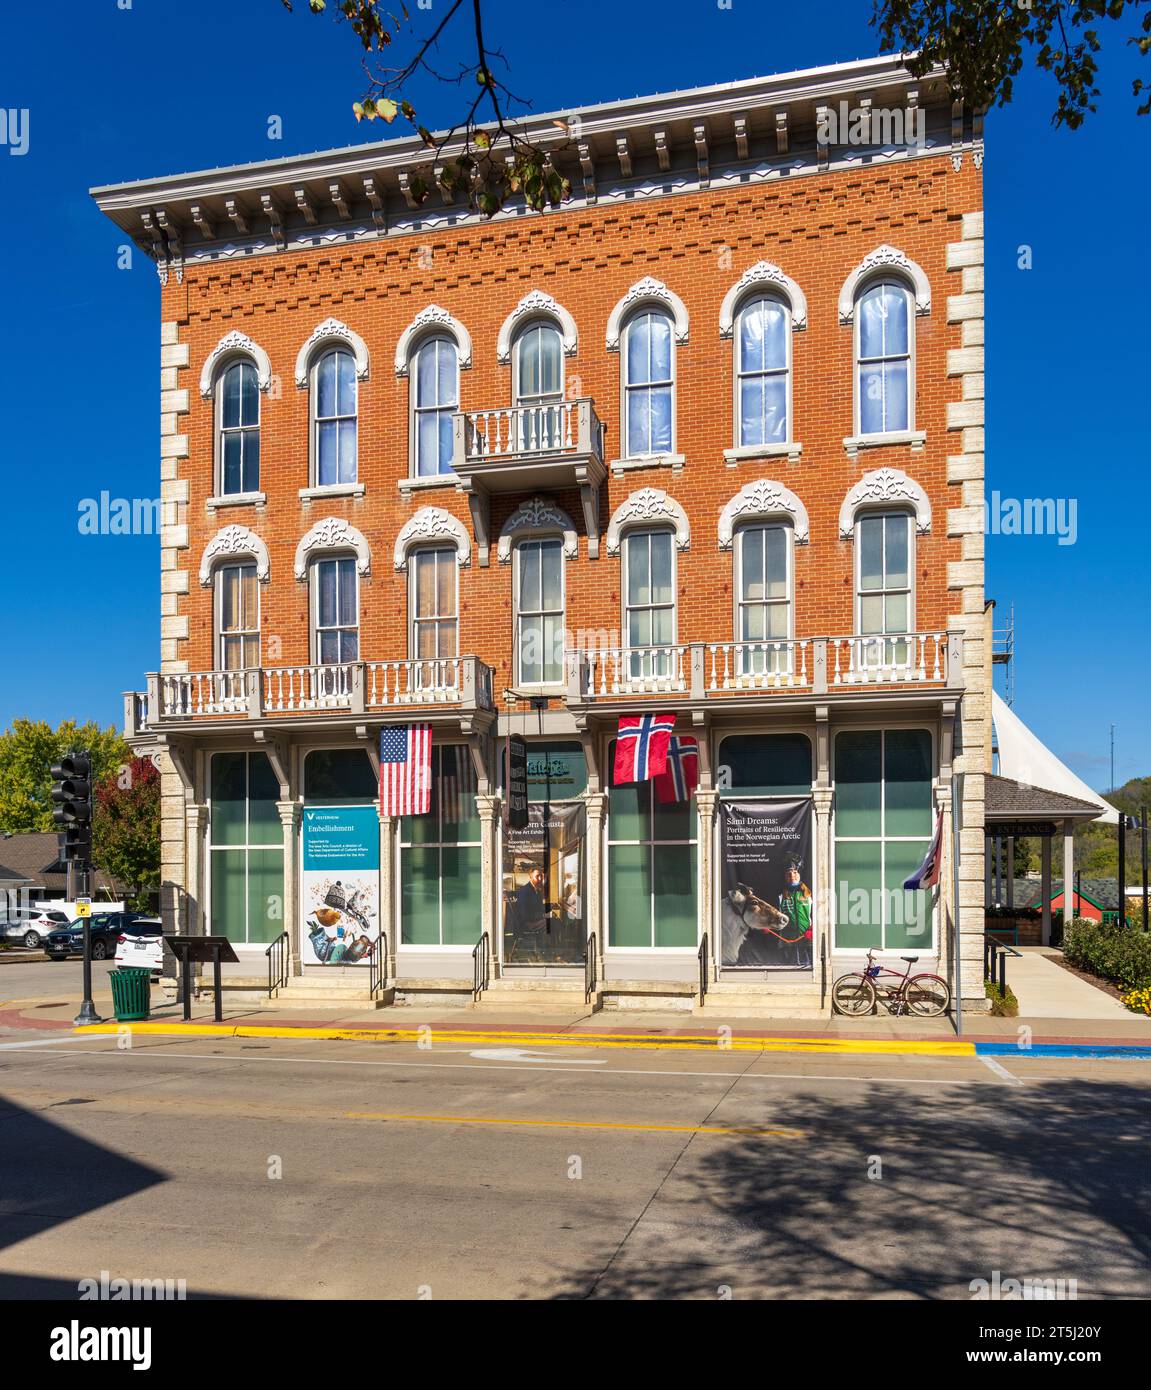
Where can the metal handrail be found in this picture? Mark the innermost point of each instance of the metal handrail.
(589, 969)
(378, 967)
(995, 962)
(278, 974)
(481, 966)
(702, 957)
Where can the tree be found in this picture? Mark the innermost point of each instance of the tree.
(983, 43)
(126, 828)
(27, 751)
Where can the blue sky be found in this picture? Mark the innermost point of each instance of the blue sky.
(157, 89)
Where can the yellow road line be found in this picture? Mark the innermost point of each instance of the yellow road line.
(720, 1130)
(694, 1042)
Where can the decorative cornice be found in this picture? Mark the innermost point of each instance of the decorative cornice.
(429, 320)
(234, 344)
(649, 506)
(230, 542)
(333, 533)
(332, 331)
(763, 275)
(881, 259)
(763, 498)
(432, 524)
(649, 290)
(536, 304)
(883, 487)
(539, 516)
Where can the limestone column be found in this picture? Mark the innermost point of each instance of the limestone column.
(488, 808)
(594, 889)
(706, 806)
(195, 823)
(290, 823)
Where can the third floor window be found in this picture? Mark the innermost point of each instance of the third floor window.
(763, 346)
(239, 429)
(334, 442)
(648, 384)
(884, 375)
(435, 397)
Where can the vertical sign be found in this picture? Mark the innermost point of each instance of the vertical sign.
(517, 781)
(340, 884)
(767, 911)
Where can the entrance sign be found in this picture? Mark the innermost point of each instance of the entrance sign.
(543, 887)
(340, 885)
(517, 782)
(766, 911)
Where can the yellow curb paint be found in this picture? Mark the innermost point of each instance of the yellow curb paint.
(645, 1041)
(720, 1130)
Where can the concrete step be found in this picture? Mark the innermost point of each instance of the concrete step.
(656, 995)
(764, 999)
(534, 996)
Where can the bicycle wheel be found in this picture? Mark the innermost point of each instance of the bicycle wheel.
(927, 996)
(853, 995)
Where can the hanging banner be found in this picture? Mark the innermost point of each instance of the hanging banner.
(340, 884)
(766, 909)
(543, 887)
(517, 781)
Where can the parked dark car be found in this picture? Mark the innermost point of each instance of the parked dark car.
(106, 930)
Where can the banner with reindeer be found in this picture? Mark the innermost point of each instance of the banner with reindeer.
(767, 906)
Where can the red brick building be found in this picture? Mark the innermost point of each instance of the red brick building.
(705, 441)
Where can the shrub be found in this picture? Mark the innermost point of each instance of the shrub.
(1138, 1000)
(1113, 952)
(1003, 1005)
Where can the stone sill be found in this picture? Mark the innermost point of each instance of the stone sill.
(672, 461)
(237, 499)
(409, 485)
(317, 494)
(915, 438)
(747, 452)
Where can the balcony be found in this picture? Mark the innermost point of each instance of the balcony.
(706, 671)
(463, 683)
(525, 448)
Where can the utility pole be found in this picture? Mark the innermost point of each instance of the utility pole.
(1112, 758)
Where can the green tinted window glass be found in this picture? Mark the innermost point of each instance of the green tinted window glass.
(672, 820)
(339, 776)
(858, 768)
(264, 827)
(858, 899)
(629, 895)
(420, 896)
(766, 764)
(460, 880)
(907, 778)
(673, 876)
(908, 913)
(456, 775)
(265, 894)
(229, 799)
(229, 889)
(629, 814)
(556, 771)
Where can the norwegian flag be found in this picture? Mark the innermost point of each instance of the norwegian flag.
(406, 770)
(641, 746)
(682, 775)
(927, 875)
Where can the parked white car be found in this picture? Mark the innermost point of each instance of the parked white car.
(29, 926)
(141, 944)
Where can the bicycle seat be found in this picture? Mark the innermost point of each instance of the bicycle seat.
(909, 959)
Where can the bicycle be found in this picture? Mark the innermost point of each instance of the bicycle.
(856, 994)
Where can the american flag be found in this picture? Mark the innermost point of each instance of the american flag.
(927, 875)
(406, 770)
(682, 775)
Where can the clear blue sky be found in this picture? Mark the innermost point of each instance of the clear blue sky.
(118, 94)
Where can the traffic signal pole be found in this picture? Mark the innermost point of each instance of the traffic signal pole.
(72, 814)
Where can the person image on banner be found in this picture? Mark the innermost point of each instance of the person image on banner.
(795, 901)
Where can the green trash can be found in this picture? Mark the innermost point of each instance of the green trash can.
(131, 994)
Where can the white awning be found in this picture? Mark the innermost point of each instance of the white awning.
(1024, 758)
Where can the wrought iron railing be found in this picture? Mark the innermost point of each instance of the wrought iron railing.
(704, 967)
(278, 961)
(590, 979)
(481, 966)
(378, 967)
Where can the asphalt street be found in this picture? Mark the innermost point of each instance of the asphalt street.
(292, 1168)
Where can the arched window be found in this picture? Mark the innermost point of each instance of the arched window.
(238, 428)
(649, 384)
(885, 592)
(763, 372)
(649, 617)
(335, 610)
(539, 611)
(763, 618)
(435, 381)
(884, 376)
(433, 608)
(538, 386)
(237, 617)
(334, 407)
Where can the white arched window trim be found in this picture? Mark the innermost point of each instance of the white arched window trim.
(332, 534)
(536, 305)
(231, 346)
(884, 260)
(763, 500)
(763, 277)
(647, 291)
(234, 543)
(431, 526)
(884, 489)
(430, 321)
(332, 333)
(649, 507)
(535, 518)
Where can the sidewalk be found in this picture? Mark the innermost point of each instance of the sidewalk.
(1046, 990)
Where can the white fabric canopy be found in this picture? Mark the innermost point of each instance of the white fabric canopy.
(1023, 758)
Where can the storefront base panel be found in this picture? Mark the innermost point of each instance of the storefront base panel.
(627, 966)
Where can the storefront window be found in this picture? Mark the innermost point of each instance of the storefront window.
(883, 824)
(440, 873)
(651, 868)
(246, 850)
(340, 777)
(765, 765)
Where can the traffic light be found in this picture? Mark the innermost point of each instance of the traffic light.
(72, 805)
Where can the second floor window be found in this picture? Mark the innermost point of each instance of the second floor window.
(764, 599)
(334, 418)
(648, 384)
(337, 618)
(885, 602)
(435, 397)
(238, 617)
(649, 603)
(539, 387)
(540, 611)
(883, 359)
(435, 625)
(239, 446)
(762, 346)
